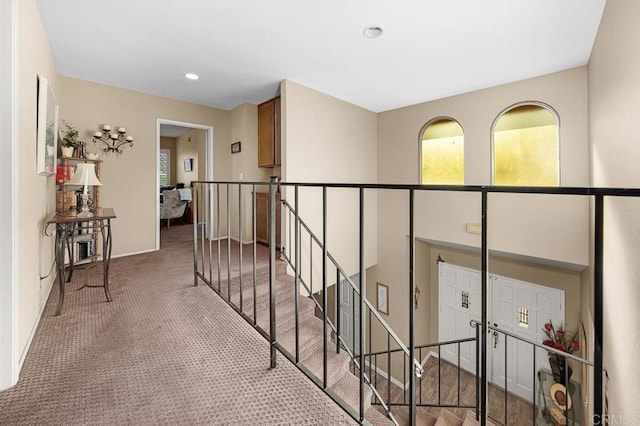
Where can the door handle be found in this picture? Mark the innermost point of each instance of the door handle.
(495, 339)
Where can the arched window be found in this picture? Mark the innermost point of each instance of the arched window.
(526, 146)
(442, 152)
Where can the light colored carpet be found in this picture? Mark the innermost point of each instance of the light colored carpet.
(162, 352)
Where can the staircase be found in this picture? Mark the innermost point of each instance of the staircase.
(341, 382)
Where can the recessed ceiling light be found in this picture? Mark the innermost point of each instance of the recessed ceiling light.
(372, 32)
(192, 76)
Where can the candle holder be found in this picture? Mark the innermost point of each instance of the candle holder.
(113, 141)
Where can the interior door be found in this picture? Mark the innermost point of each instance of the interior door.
(350, 315)
(522, 309)
(460, 302)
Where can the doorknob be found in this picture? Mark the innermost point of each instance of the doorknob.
(495, 339)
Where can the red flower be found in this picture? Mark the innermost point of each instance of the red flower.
(547, 343)
(559, 339)
(575, 345)
(548, 326)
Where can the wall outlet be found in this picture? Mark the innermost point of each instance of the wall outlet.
(240, 176)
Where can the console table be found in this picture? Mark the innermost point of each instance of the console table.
(69, 229)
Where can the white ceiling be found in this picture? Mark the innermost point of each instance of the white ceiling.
(242, 49)
(173, 131)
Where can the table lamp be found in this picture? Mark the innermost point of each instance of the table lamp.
(85, 175)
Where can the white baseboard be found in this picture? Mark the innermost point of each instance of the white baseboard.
(115, 256)
(36, 323)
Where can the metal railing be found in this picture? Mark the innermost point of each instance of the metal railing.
(206, 229)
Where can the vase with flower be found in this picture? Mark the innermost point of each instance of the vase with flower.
(559, 339)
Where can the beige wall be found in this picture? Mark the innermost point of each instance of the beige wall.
(536, 227)
(325, 139)
(191, 145)
(36, 194)
(170, 144)
(244, 166)
(614, 90)
(129, 180)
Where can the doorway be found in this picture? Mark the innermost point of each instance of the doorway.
(184, 154)
(518, 307)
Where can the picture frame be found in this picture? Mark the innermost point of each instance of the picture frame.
(236, 147)
(188, 164)
(47, 129)
(382, 298)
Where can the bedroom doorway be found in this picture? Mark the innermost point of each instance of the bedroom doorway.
(184, 154)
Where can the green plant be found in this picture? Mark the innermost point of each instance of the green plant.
(69, 135)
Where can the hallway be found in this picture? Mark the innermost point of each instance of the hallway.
(162, 352)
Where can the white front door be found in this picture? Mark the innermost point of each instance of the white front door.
(350, 315)
(517, 307)
(460, 302)
(522, 309)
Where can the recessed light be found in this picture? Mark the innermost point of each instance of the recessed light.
(192, 76)
(372, 32)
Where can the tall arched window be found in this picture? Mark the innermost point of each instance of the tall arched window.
(526, 146)
(442, 152)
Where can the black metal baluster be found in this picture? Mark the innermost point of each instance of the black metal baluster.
(412, 349)
(209, 230)
(506, 384)
(534, 385)
(483, 341)
(296, 270)
(195, 236)
(439, 373)
(255, 243)
(477, 327)
(324, 287)
(240, 238)
(404, 378)
(598, 309)
(229, 242)
(388, 367)
(218, 236)
(337, 316)
(272, 270)
(458, 373)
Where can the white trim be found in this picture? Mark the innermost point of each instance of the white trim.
(133, 253)
(9, 365)
(209, 153)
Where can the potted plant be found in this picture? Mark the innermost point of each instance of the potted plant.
(558, 338)
(69, 139)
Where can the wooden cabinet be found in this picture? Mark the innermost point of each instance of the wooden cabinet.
(262, 218)
(269, 133)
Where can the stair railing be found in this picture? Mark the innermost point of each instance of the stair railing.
(203, 231)
(341, 276)
(541, 405)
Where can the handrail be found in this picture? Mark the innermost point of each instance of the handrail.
(428, 345)
(475, 323)
(418, 366)
(558, 190)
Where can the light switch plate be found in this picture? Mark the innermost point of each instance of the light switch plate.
(474, 228)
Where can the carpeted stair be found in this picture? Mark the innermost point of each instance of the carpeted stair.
(340, 380)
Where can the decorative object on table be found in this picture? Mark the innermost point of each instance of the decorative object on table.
(85, 175)
(382, 298)
(113, 141)
(559, 339)
(69, 139)
(236, 147)
(560, 397)
(81, 150)
(47, 128)
(92, 155)
(188, 164)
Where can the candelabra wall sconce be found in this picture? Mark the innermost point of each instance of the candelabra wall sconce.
(113, 141)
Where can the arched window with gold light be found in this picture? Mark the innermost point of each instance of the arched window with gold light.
(442, 152)
(526, 148)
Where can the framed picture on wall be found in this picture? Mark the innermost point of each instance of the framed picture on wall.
(188, 164)
(47, 126)
(236, 147)
(382, 298)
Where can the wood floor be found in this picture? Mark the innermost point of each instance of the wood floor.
(519, 411)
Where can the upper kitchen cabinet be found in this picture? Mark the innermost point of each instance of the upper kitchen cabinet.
(269, 133)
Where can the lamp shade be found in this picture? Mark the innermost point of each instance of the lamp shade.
(85, 175)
